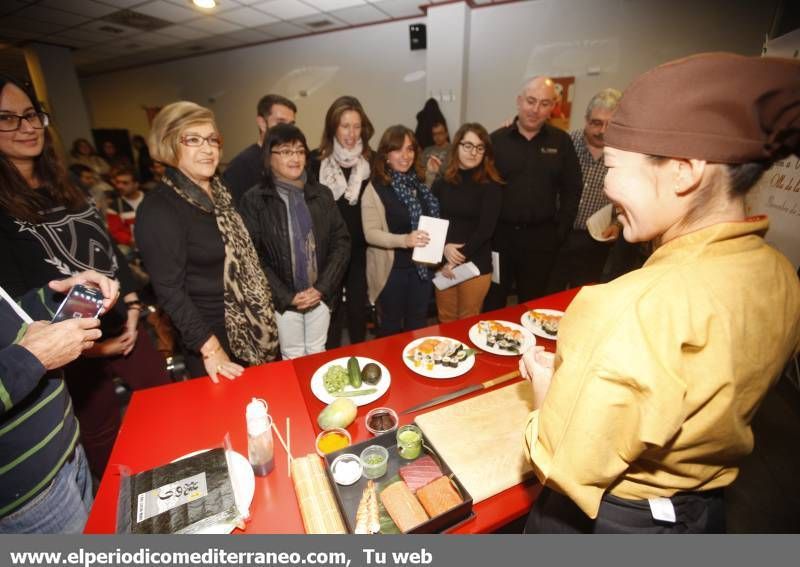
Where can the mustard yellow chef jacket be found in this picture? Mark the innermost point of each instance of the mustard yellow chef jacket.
(659, 373)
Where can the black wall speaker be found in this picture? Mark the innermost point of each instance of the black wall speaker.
(419, 37)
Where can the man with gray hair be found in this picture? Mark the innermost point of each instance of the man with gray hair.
(540, 198)
(581, 258)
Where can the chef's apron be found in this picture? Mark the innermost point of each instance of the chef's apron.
(695, 512)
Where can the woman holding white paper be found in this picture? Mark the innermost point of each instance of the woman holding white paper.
(470, 197)
(390, 210)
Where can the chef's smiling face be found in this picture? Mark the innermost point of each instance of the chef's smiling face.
(642, 191)
(26, 142)
(402, 159)
(199, 162)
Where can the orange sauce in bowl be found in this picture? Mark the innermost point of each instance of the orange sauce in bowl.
(332, 441)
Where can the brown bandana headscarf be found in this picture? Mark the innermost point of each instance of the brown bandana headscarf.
(249, 312)
(718, 107)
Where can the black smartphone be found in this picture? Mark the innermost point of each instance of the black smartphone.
(81, 301)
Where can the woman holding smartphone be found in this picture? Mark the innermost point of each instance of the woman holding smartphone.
(48, 230)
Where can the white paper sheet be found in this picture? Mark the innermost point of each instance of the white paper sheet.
(599, 221)
(462, 273)
(432, 252)
(496, 267)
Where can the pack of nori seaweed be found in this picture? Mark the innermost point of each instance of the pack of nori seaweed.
(183, 497)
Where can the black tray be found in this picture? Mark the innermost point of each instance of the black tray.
(348, 497)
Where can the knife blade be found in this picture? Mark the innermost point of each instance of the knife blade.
(462, 392)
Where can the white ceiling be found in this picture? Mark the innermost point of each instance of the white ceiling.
(101, 43)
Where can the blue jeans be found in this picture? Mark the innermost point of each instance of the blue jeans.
(403, 302)
(63, 507)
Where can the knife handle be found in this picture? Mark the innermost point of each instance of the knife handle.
(500, 379)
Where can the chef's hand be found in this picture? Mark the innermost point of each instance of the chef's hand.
(57, 344)
(417, 238)
(453, 254)
(538, 365)
(109, 287)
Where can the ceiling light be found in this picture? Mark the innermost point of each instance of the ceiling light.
(206, 4)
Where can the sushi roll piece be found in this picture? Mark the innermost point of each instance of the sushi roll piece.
(461, 356)
(491, 340)
(417, 358)
(429, 361)
(447, 362)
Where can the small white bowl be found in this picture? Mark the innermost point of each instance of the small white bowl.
(347, 458)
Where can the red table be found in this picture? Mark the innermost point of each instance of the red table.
(408, 389)
(164, 423)
(167, 422)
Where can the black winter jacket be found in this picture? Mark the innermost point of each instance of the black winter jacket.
(264, 214)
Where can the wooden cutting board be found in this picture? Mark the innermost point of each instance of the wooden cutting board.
(482, 439)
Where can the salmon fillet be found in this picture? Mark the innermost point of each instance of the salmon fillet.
(439, 496)
(405, 510)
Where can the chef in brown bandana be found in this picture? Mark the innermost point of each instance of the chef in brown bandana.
(643, 414)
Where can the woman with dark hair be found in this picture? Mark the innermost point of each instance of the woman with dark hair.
(200, 258)
(341, 163)
(470, 197)
(644, 412)
(390, 211)
(49, 230)
(301, 239)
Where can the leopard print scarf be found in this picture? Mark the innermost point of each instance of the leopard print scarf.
(249, 312)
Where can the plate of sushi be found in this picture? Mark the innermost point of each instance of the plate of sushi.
(543, 322)
(438, 357)
(501, 337)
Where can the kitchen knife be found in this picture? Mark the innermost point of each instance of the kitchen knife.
(463, 392)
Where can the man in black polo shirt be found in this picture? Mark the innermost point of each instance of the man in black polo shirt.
(541, 196)
(245, 169)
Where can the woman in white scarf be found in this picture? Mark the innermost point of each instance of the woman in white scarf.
(342, 163)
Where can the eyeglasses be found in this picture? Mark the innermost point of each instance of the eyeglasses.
(595, 123)
(544, 103)
(12, 122)
(470, 147)
(195, 141)
(286, 154)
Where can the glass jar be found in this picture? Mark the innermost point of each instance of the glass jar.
(409, 441)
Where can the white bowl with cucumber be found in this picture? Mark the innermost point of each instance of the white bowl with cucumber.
(363, 380)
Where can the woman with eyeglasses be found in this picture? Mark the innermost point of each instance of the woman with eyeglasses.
(390, 210)
(302, 240)
(470, 198)
(342, 164)
(201, 260)
(49, 230)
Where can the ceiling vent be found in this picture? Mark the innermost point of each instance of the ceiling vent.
(319, 24)
(111, 29)
(135, 20)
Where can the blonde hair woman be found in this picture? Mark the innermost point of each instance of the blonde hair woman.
(201, 260)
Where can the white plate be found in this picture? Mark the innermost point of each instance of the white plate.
(528, 340)
(318, 387)
(244, 487)
(529, 324)
(438, 371)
